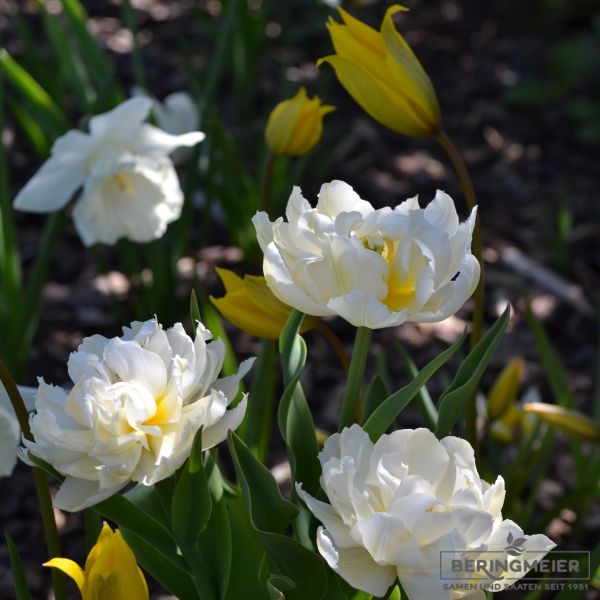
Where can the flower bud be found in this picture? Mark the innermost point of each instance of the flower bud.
(295, 125)
(570, 421)
(505, 389)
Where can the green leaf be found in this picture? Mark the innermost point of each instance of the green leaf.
(553, 365)
(376, 393)
(278, 586)
(192, 502)
(295, 419)
(194, 309)
(270, 511)
(386, 413)
(214, 567)
(248, 556)
(33, 92)
(22, 591)
(256, 428)
(454, 400)
(175, 579)
(123, 512)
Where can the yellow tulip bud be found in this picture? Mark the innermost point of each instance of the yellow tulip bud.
(111, 570)
(505, 389)
(381, 73)
(571, 422)
(250, 305)
(295, 125)
(503, 430)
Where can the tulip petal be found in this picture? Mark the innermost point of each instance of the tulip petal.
(362, 309)
(231, 420)
(355, 566)
(76, 494)
(9, 439)
(70, 568)
(377, 99)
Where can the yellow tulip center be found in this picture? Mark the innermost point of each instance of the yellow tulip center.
(401, 286)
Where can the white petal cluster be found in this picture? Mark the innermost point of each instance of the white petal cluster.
(397, 504)
(10, 432)
(130, 187)
(136, 405)
(374, 268)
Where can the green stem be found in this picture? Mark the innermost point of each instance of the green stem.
(41, 483)
(267, 180)
(477, 327)
(355, 377)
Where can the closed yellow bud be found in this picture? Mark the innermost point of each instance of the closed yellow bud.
(571, 422)
(381, 73)
(111, 570)
(295, 125)
(505, 389)
(250, 305)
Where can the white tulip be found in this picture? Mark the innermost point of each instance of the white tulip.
(397, 504)
(374, 268)
(130, 187)
(136, 405)
(10, 432)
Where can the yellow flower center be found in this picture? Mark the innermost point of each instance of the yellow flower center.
(401, 287)
(124, 183)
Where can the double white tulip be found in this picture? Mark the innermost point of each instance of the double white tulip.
(396, 505)
(130, 187)
(374, 268)
(136, 405)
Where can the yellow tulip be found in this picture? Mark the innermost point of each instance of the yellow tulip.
(250, 305)
(382, 74)
(295, 125)
(571, 422)
(111, 570)
(505, 389)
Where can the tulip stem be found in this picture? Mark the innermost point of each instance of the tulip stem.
(335, 343)
(355, 377)
(477, 326)
(267, 180)
(41, 483)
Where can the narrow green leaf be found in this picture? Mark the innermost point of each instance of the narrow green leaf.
(123, 512)
(386, 413)
(426, 405)
(174, 579)
(269, 509)
(32, 91)
(194, 309)
(454, 400)
(22, 591)
(294, 417)
(278, 586)
(256, 428)
(192, 502)
(376, 393)
(553, 365)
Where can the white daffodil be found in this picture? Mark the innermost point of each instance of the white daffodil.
(136, 405)
(400, 507)
(10, 432)
(374, 268)
(176, 114)
(130, 187)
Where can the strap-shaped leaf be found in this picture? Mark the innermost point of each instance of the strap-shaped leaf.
(377, 392)
(454, 400)
(22, 591)
(270, 515)
(192, 502)
(385, 414)
(295, 419)
(270, 511)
